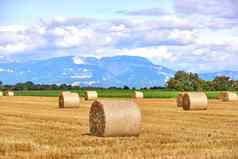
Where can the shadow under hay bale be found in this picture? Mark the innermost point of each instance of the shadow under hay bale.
(138, 95)
(179, 99)
(228, 96)
(114, 119)
(91, 95)
(195, 101)
(69, 100)
(8, 93)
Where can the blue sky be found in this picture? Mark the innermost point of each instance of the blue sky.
(28, 11)
(191, 35)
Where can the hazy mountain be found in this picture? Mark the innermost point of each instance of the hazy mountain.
(109, 71)
(211, 76)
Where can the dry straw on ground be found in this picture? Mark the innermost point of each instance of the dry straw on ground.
(195, 101)
(67, 99)
(91, 95)
(8, 93)
(114, 118)
(179, 99)
(138, 94)
(31, 128)
(228, 96)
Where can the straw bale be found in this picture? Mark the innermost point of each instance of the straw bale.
(8, 93)
(138, 94)
(179, 99)
(195, 101)
(68, 100)
(91, 95)
(114, 118)
(228, 96)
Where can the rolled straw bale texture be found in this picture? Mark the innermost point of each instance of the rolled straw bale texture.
(65, 92)
(221, 95)
(1, 93)
(61, 98)
(67, 99)
(195, 101)
(114, 118)
(179, 99)
(91, 95)
(9, 93)
(228, 96)
(138, 94)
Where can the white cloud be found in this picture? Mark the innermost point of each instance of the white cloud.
(6, 70)
(78, 60)
(118, 28)
(17, 39)
(184, 37)
(12, 28)
(199, 38)
(215, 8)
(155, 54)
(81, 76)
(75, 84)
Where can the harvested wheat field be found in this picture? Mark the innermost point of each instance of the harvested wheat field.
(34, 128)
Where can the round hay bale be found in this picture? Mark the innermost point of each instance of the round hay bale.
(195, 101)
(65, 92)
(179, 99)
(1, 93)
(8, 93)
(138, 94)
(69, 100)
(91, 95)
(61, 99)
(221, 95)
(228, 96)
(114, 118)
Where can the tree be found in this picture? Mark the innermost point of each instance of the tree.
(235, 85)
(1, 85)
(222, 83)
(183, 81)
(126, 87)
(29, 85)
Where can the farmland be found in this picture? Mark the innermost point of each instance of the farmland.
(114, 93)
(34, 127)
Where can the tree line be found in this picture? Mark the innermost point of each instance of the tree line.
(32, 86)
(187, 81)
(182, 81)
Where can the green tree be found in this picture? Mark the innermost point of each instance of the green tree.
(183, 81)
(1, 85)
(126, 87)
(222, 83)
(28, 85)
(235, 85)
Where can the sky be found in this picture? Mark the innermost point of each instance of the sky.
(191, 35)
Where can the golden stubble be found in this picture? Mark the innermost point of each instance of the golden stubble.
(35, 128)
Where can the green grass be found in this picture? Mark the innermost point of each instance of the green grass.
(113, 93)
(212, 95)
(37, 93)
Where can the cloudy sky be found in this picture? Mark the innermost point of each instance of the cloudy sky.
(192, 35)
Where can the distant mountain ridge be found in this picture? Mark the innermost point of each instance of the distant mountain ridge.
(211, 76)
(116, 71)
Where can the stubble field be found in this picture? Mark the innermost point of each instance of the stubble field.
(34, 127)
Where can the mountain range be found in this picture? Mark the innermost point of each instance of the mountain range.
(116, 71)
